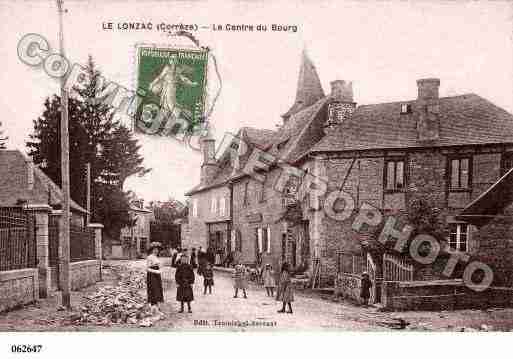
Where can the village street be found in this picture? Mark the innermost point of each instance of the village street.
(221, 312)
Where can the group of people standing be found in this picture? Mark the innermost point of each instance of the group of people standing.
(184, 277)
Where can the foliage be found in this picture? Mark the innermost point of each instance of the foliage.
(168, 211)
(95, 137)
(2, 139)
(426, 218)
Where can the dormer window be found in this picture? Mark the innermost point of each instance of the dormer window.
(405, 108)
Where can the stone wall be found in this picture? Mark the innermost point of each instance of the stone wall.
(348, 286)
(197, 234)
(18, 287)
(426, 175)
(83, 274)
(441, 295)
(258, 213)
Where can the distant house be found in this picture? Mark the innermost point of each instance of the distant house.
(133, 240)
(23, 183)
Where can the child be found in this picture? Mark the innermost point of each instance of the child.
(208, 278)
(268, 277)
(240, 280)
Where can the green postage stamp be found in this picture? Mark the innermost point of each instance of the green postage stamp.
(171, 85)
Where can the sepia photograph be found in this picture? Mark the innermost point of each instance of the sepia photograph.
(200, 167)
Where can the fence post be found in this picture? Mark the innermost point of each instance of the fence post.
(97, 227)
(40, 213)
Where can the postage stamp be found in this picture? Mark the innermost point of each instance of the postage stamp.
(171, 85)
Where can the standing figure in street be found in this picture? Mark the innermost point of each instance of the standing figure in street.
(202, 261)
(194, 261)
(285, 289)
(240, 280)
(184, 278)
(154, 278)
(365, 290)
(208, 278)
(268, 278)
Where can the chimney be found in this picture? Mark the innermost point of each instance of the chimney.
(428, 109)
(209, 166)
(30, 172)
(428, 89)
(341, 105)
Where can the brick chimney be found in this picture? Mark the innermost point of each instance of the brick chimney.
(428, 109)
(428, 89)
(341, 105)
(30, 172)
(209, 166)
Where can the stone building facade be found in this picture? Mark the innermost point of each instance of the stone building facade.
(448, 151)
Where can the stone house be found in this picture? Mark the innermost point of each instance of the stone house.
(210, 213)
(31, 205)
(447, 151)
(23, 183)
(133, 240)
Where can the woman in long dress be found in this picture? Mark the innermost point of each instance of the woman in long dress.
(184, 278)
(285, 289)
(165, 85)
(154, 278)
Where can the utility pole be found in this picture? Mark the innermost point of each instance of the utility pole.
(64, 248)
(88, 193)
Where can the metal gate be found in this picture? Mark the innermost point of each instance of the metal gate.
(371, 269)
(17, 239)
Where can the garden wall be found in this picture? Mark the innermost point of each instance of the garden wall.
(348, 286)
(18, 287)
(83, 274)
(442, 295)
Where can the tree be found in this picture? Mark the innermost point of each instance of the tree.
(2, 139)
(168, 211)
(95, 138)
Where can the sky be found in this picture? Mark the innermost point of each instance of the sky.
(383, 47)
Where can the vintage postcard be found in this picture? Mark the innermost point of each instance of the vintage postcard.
(266, 167)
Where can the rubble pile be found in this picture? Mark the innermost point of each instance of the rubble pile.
(118, 304)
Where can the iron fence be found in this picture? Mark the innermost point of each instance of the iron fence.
(17, 239)
(81, 241)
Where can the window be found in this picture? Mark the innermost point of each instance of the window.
(222, 206)
(405, 108)
(195, 208)
(238, 241)
(246, 198)
(460, 173)
(213, 205)
(394, 175)
(458, 236)
(259, 240)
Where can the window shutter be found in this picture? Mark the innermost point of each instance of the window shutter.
(259, 242)
(268, 239)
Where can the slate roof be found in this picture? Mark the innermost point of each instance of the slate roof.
(14, 184)
(491, 202)
(309, 89)
(464, 120)
(260, 138)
